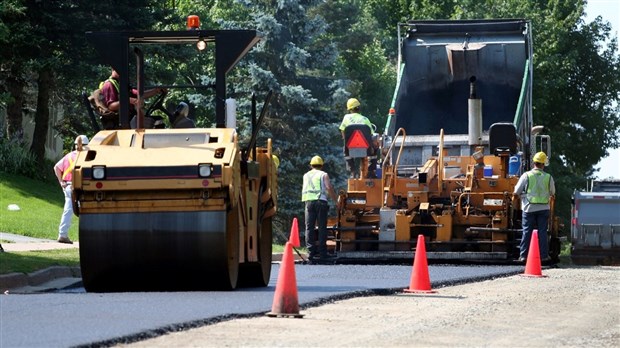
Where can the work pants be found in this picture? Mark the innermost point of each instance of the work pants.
(316, 214)
(354, 169)
(531, 220)
(67, 214)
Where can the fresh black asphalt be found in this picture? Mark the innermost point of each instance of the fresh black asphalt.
(77, 318)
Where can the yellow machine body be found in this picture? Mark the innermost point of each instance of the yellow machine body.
(137, 186)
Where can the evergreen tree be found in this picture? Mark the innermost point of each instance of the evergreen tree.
(296, 62)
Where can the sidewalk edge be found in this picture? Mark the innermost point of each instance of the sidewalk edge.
(17, 280)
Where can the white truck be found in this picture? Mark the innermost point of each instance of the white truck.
(595, 224)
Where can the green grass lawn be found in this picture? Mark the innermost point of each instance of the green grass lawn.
(30, 261)
(40, 203)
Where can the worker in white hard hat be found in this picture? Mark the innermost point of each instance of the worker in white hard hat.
(315, 190)
(536, 189)
(64, 173)
(354, 117)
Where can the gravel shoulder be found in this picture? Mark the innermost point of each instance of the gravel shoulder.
(569, 307)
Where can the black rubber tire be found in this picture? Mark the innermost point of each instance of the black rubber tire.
(257, 274)
(232, 244)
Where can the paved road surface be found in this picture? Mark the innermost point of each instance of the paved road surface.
(79, 318)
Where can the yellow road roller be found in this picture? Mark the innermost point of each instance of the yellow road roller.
(174, 209)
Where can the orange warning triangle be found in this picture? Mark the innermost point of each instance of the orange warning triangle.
(357, 140)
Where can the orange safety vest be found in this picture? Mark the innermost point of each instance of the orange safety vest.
(69, 169)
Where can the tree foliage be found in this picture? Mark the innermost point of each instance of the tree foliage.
(13, 36)
(46, 54)
(363, 61)
(578, 69)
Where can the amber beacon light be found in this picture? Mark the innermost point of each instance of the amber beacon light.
(193, 22)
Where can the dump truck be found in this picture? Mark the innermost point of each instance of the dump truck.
(595, 224)
(459, 133)
(174, 208)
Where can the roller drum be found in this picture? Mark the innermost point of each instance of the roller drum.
(159, 251)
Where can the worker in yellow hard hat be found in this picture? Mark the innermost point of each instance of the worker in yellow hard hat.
(315, 190)
(353, 117)
(536, 189)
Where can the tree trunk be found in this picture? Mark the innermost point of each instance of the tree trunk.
(15, 85)
(42, 115)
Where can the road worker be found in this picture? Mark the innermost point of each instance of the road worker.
(536, 189)
(63, 170)
(315, 191)
(353, 117)
(110, 91)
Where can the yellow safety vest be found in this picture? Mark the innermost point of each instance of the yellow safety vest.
(113, 82)
(313, 185)
(538, 187)
(355, 118)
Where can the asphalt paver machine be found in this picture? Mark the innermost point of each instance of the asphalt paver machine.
(459, 133)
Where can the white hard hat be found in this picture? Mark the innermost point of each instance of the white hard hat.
(84, 139)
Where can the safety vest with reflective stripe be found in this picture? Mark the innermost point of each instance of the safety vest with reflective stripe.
(312, 188)
(69, 168)
(113, 82)
(538, 187)
(356, 118)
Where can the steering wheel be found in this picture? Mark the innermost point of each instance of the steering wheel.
(158, 104)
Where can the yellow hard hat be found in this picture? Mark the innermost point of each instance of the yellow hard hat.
(352, 103)
(540, 157)
(316, 161)
(275, 160)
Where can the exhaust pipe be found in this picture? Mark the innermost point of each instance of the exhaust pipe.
(474, 114)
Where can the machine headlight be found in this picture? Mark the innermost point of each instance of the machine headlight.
(99, 172)
(204, 170)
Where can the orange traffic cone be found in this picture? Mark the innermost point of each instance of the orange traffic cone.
(294, 237)
(420, 281)
(533, 265)
(285, 302)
